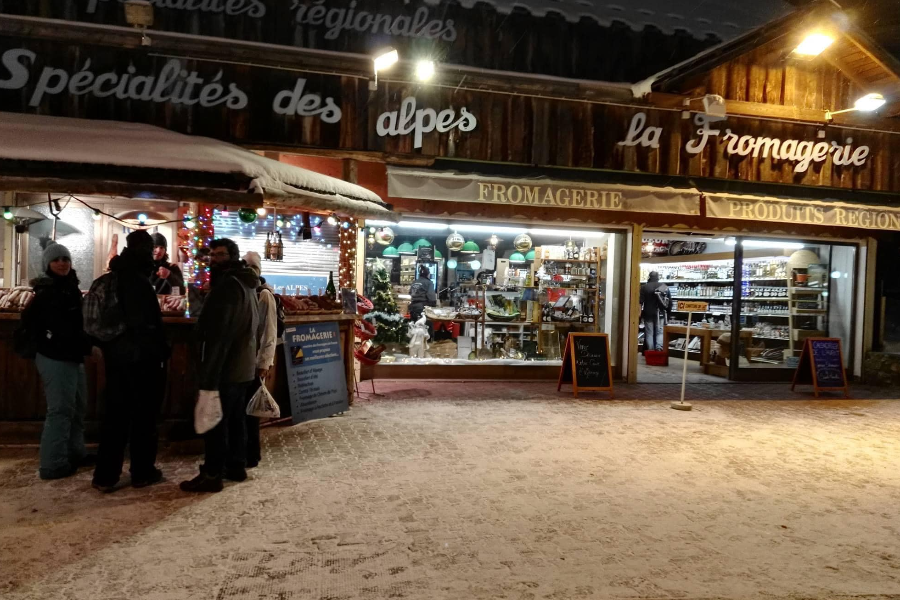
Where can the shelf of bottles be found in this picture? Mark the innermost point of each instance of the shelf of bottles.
(765, 296)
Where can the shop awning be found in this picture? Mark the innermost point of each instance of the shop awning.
(805, 212)
(540, 192)
(62, 155)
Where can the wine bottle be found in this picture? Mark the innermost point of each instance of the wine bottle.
(330, 290)
(267, 253)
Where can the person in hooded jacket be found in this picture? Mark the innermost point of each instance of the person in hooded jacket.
(656, 309)
(135, 372)
(53, 319)
(421, 294)
(226, 334)
(265, 354)
(166, 276)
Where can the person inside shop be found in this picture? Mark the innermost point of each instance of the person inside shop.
(656, 308)
(167, 277)
(265, 354)
(421, 294)
(136, 364)
(226, 336)
(52, 322)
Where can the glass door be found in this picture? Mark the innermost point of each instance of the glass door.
(786, 292)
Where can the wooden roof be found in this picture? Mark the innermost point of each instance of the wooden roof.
(760, 67)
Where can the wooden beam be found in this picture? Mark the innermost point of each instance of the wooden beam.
(845, 70)
(864, 47)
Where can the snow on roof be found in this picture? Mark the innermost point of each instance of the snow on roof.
(115, 143)
(725, 19)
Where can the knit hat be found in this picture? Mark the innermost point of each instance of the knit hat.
(253, 261)
(139, 241)
(159, 240)
(52, 252)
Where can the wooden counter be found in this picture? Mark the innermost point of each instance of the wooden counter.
(22, 404)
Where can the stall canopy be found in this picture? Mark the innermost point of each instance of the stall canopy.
(63, 155)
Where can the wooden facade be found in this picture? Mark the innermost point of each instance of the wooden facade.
(479, 36)
(511, 128)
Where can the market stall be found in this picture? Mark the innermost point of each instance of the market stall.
(93, 182)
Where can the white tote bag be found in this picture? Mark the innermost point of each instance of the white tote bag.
(207, 411)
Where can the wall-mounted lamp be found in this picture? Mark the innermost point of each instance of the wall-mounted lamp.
(813, 45)
(139, 14)
(382, 61)
(867, 103)
(713, 106)
(424, 70)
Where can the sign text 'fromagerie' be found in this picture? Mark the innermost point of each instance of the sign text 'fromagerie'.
(801, 152)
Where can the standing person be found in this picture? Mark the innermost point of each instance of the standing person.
(265, 354)
(422, 294)
(226, 333)
(656, 307)
(166, 276)
(53, 320)
(135, 371)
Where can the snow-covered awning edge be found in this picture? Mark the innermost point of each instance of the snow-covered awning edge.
(296, 199)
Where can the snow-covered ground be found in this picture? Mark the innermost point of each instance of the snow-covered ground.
(486, 490)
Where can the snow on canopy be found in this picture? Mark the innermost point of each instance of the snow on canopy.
(119, 144)
(725, 19)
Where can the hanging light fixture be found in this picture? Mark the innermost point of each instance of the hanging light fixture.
(530, 255)
(451, 263)
(470, 247)
(406, 248)
(517, 257)
(420, 243)
(390, 252)
(455, 242)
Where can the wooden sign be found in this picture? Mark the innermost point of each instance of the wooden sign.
(822, 366)
(586, 363)
(693, 306)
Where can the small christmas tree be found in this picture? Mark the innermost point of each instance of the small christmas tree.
(390, 325)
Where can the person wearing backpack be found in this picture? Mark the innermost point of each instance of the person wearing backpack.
(135, 359)
(226, 335)
(53, 322)
(268, 336)
(656, 307)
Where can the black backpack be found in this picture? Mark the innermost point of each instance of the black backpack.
(279, 311)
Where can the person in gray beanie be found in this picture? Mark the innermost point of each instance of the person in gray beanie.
(166, 277)
(53, 321)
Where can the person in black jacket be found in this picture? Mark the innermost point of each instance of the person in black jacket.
(166, 276)
(135, 372)
(656, 308)
(227, 339)
(421, 294)
(54, 320)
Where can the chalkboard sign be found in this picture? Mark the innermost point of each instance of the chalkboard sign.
(586, 363)
(316, 378)
(822, 366)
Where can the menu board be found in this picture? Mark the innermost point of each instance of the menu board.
(586, 363)
(821, 365)
(316, 378)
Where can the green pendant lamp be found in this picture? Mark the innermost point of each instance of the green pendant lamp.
(406, 248)
(421, 242)
(437, 254)
(530, 255)
(470, 247)
(516, 257)
(390, 252)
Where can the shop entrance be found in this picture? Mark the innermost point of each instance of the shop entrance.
(765, 296)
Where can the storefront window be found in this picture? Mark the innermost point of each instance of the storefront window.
(292, 265)
(788, 291)
(491, 294)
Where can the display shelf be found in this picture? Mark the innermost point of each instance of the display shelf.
(806, 290)
(800, 312)
(723, 298)
(718, 312)
(751, 279)
(766, 337)
(567, 260)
